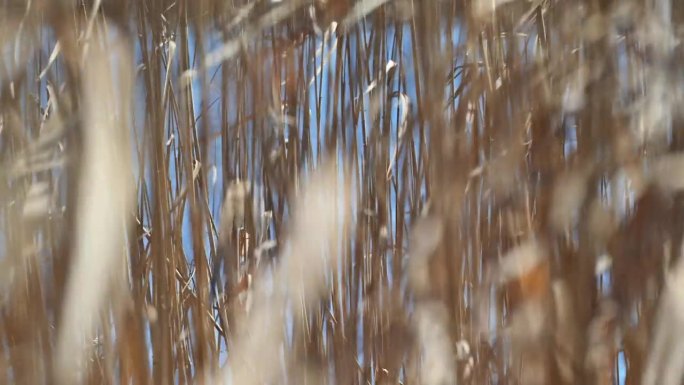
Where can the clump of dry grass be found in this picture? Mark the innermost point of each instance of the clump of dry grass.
(348, 191)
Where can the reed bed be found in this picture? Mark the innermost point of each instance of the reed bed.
(341, 192)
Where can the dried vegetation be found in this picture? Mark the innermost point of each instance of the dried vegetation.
(341, 192)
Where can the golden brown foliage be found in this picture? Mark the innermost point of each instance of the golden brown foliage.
(341, 191)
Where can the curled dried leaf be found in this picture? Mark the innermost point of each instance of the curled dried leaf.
(233, 211)
(520, 261)
(38, 202)
(665, 362)
(568, 196)
(437, 357)
(425, 238)
(667, 172)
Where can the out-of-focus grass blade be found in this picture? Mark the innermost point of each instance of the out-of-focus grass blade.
(105, 199)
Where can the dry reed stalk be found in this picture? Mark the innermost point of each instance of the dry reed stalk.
(105, 199)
